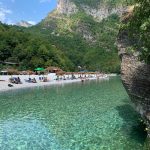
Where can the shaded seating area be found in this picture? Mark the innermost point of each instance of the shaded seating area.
(53, 69)
(4, 72)
(60, 75)
(12, 71)
(27, 72)
(39, 71)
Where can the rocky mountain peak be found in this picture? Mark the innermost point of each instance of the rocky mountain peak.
(24, 24)
(66, 7)
(98, 10)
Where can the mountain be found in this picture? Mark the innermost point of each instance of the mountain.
(77, 33)
(85, 31)
(24, 24)
(71, 14)
(98, 10)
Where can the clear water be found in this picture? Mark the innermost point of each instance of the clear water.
(96, 115)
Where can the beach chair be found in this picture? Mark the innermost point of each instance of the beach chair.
(29, 80)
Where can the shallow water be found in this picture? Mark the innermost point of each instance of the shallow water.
(95, 115)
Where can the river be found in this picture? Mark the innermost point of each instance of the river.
(94, 115)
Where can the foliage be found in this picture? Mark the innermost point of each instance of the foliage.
(99, 55)
(95, 3)
(29, 50)
(139, 28)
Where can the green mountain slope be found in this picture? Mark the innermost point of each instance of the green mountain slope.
(77, 33)
(86, 42)
(84, 39)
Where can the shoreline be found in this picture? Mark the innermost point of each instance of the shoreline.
(4, 84)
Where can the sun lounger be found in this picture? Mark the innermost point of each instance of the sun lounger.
(45, 79)
(15, 80)
(31, 80)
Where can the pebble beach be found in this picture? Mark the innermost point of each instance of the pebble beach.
(4, 81)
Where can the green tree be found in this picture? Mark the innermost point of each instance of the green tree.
(139, 28)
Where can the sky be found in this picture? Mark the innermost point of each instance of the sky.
(33, 11)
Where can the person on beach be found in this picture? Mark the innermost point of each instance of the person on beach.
(34, 80)
(19, 81)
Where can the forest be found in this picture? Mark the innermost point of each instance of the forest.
(62, 45)
(28, 50)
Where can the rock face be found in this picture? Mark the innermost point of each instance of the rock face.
(136, 78)
(74, 15)
(24, 24)
(66, 7)
(103, 11)
(85, 32)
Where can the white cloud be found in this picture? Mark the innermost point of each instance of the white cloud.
(32, 22)
(4, 12)
(43, 1)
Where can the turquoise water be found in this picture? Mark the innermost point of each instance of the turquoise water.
(95, 115)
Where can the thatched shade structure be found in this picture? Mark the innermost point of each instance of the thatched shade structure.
(27, 72)
(13, 71)
(3, 72)
(68, 73)
(53, 69)
(60, 73)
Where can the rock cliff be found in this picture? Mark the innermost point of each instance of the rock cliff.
(66, 7)
(103, 10)
(80, 18)
(24, 24)
(135, 76)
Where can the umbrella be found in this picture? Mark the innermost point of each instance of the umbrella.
(39, 69)
(13, 71)
(53, 69)
(60, 73)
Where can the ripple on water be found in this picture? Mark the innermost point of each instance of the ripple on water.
(26, 134)
(90, 116)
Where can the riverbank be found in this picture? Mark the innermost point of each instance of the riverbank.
(4, 81)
